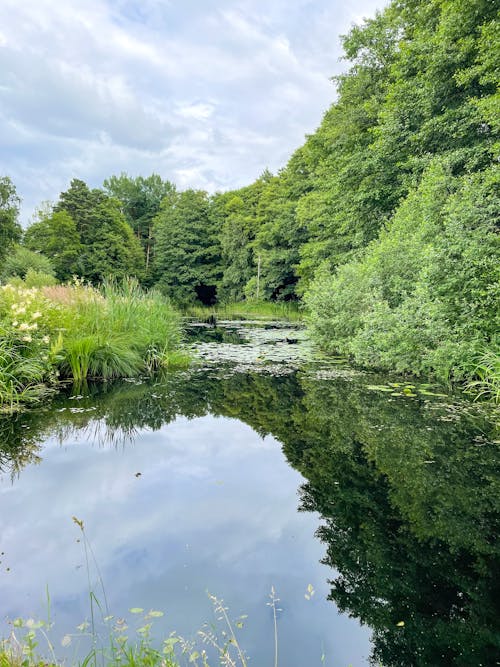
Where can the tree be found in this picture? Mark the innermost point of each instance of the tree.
(10, 229)
(187, 257)
(21, 261)
(404, 187)
(56, 236)
(140, 202)
(236, 250)
(235, 214)
(110, 247)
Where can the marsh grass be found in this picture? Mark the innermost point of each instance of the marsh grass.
(22, 378)
(77, 332)
(486, 377)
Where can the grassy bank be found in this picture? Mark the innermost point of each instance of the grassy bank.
(76, 332)
(259, 310)
(117, 641)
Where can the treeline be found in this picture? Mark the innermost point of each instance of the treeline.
(385, 222)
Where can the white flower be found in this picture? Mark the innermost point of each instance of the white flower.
(24, 326)
(27, 338)
(45, 339)
(36, 315)
(15, 323)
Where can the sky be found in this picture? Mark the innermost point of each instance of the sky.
(206, 93)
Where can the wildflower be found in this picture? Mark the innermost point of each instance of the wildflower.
(46, 339)
(36, 315)
(15, 323)
(27, 338)
(33, 326)
(24, 326)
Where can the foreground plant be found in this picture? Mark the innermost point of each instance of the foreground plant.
(76, 332)
(487, 377)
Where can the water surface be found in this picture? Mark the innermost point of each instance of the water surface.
(244, 473)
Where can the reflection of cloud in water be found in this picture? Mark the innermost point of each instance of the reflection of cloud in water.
(215, 508)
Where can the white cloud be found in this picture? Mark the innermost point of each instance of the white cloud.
(197, 111)
(207, 93)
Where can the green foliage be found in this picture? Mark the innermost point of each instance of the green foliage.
(10, 229)
(23, 377)
(21, 260)
(110, 248)
(487, 376)
(56, 236)
(236, 250)
(281, 233)
(140, 200)
(386, 219)
(259, 310)
(35, 278)
(118, 332)
(78, 332)
(187, 247)
(424, 296)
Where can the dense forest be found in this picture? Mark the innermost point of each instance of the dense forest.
(384, 224)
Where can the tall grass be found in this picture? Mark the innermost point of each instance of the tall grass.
(77, 332)
(486, 377)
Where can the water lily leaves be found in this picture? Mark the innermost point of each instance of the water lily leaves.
(378, 387)
(406, 390)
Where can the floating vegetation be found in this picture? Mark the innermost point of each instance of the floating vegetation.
(255, 345)
(405, 390)
(334, 373)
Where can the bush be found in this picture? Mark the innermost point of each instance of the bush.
(79, 332)
(423, 298)
(21, 260)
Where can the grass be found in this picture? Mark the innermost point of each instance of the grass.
(486, 377)
(114, 647)
(76, 332)
(265, 310)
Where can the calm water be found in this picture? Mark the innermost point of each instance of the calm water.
(262, 467)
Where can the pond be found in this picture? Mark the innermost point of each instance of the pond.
(369, 505)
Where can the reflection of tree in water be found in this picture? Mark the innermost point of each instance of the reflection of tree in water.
(18, 447)
(407, 499)
(408, 503)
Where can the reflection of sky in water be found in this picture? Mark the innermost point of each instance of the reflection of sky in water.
(215, 509)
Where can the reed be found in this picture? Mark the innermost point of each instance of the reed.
(77, 332)
(485, 382)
